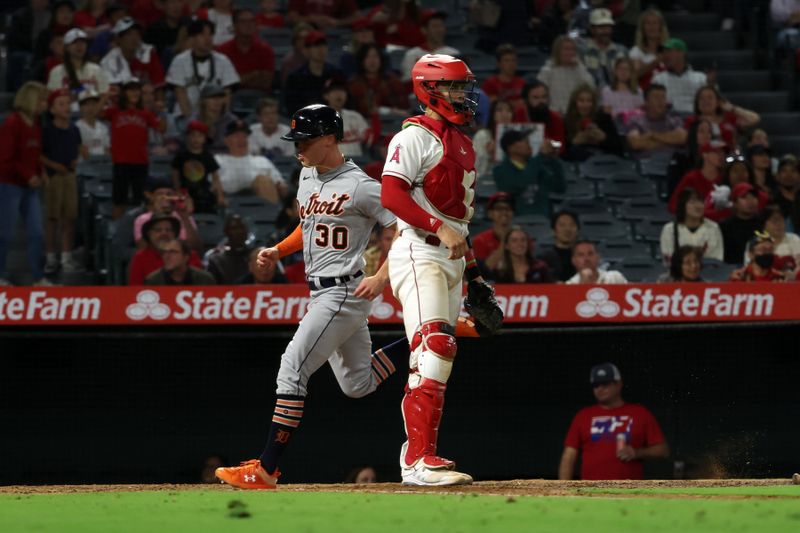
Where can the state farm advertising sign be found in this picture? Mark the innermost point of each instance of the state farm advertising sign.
(287, 304)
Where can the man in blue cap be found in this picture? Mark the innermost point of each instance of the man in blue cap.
(613, 436)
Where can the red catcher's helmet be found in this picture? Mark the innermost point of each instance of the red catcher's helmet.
(432, 69)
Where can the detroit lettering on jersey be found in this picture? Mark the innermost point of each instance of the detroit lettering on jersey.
(338, 210)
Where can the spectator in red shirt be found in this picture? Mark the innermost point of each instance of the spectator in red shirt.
(487, 244)
(703, 179)
(327, 14)
(158, 230)
(129, 125)
(22, 177)
(612, 436)
(506, 85)
(726, 119)
(397, 23)
(93, 18)
(763, 264)
(269, 17)
(537, 100)
(131, 57)
(253, 58)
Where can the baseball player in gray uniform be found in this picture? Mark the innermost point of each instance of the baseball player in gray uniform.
(339, 206)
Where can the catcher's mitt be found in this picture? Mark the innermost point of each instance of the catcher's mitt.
(483, 308)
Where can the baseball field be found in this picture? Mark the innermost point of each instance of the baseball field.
(523, 505)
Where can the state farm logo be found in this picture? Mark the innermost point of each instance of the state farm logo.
(597, 303)
(147, 306)
(382, 310)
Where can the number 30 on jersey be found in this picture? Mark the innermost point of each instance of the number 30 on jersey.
(337, 237)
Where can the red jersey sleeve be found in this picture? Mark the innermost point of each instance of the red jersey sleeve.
(573, 438)
(395, 198)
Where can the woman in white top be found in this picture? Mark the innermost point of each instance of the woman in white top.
(485, 139)
(651, 32)
(77, 73)
(787, 244)
(564, 72)
(691, 228)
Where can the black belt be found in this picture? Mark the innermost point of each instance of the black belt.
(432, 240)
(327, 283)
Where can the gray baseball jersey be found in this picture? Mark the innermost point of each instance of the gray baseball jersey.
(338, 210)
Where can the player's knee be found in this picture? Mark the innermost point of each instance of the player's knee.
(437, 338)
(357, 390)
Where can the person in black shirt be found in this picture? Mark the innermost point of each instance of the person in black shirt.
(228, 262)
(788, 183)
(739, 228)
(169, 33)
(195, 169)
(558, 256)
(304, 86)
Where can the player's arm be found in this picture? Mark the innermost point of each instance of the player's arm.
(372, 286)
(396, 198)
(566, 470)
(291, 244)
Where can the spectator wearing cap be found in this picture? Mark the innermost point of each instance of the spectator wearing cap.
(787, 185)
(200, 65)
(170, 33)
(590, 130)
(195, 170)
(435, 32)
(253, 58)
(558, 256)
(703, 179)
(93, 18)
(599, 53)
(357, 133)
(157, 231)
(564, 72)
(220, 14)
(228, 262)
(488, 244)
(304, 86)
(612, 437)
(375, 89)
(760, 158)
(213, 112)
(94, 133)
(131, 57)
(656, 131)
(176, 270)
(530, 179)
(506, 85)
(239, 171)
(517, 262)
(586, 261)
(22, 177)
(763, 263)
(691, 228)
(329, 14)
(129, 128)
(736, 170)
(681, 81)
(265, 135)
(739, 228)
(77, 73)
(61, 147)
(23, 29)
(61, 20)
(162, 199)
(727, 120)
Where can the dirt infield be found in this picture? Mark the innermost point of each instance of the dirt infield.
(518, 487)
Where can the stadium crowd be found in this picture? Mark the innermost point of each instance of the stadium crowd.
(180, 104)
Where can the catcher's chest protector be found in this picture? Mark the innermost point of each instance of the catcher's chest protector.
(450, 185)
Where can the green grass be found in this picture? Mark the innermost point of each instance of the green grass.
(288, 512)
(786, 491)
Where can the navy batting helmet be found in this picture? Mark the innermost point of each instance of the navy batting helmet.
(315, 121)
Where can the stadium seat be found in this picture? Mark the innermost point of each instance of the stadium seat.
(585, 205)
(254, 208)
(602, 227)
(210, 228)
(692, 21)
(722, 60)
(641, 268)
(244, 101)
(636, 210)
(745, 80)
(780, 124)
(716, 270)
(784, 144)
(615, 251)
(700, 41)
(761, 101)
(485, 188)
(618, 189)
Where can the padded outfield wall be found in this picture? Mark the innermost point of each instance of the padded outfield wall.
(149, 404)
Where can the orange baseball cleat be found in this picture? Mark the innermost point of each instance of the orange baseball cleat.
(248, 475)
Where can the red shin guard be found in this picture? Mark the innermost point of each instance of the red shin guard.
(422, 412)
